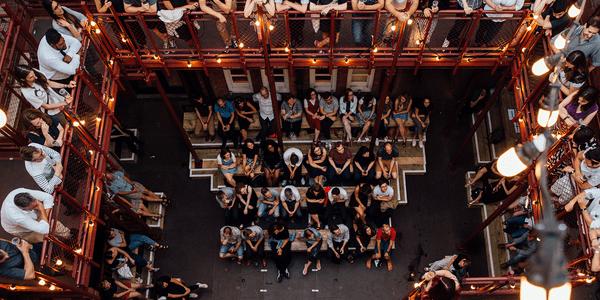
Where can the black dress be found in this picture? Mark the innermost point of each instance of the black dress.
(314, 208)
(282, 261)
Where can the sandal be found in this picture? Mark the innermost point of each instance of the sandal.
(368, 264)
(305, 269)
(390, 267)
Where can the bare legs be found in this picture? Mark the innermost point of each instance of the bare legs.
(229, 178)
(272, 176)
(347, 128)
(365, 129)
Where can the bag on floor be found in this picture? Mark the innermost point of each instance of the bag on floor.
(563, 188)
(385, 205)
(125, 272)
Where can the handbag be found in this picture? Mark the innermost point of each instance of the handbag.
(125, 272)
(388, 204)
(563, 188)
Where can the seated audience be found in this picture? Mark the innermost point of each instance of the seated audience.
(528, 240)
(245, 115)
(573, 72)
(18, 262)
(554, 19)
(517, 226)
(225, 115)
(40, 93)
(291, 113)
(363, 232)
(402, 106)
(108, 288)
(248, 201)
(316, 163)
(386, 162)
(328, 108)
(290, 202)
(325, 7)
(314, 240)
(337, 240)
(252, 161)
(386, 238)
(228, 165)
(364, 165)
(117, 258)
(272, 162)
(315, 199)
(44, 166)
(422, 110)
(174, 288)
(313, 112)
(348, 104)
(580, 107)
(281, 249)
(118, 238)
(269, 206)
(253, 237)
(24, 213)
(366, 113)
(226, 198)
(457, 264)
(340, 159)
(360, 199)
(231, 244)
(42, 129)
(58, 56)
(134, 192)
(292, 172)
(204, 116)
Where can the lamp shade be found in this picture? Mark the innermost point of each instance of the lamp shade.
(530, 291)
(560, 293)
(2, 118)
(574, 11)
(560, 42)
(539, 68)
(546, 118)
(509, 164)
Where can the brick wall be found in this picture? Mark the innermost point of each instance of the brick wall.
(218, 83)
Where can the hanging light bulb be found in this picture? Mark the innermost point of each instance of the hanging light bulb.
(548, 113)
(346, 60)
(539, 68)
(287, 49)
(52, 287)
(574, 11)
(13, 287)
(529, 27)
(189, 64)
(510, 165)
(93, 23)
(76, 124)
(257, 23)
(82, 122)
(410, 21)
(78, 251)
(123, 40)
(241, 45)
(271, 27)
(97, 30)
(3, 119)
(590, 279)
(516, 159)
(418, 42)
(156, 56)
(438, 57)
(546, 118)
(111, 99)
(375, 49)
(59, 262)
(393, 27)
(219, 60)
(42, 282)
(560, 42)
(314, 60)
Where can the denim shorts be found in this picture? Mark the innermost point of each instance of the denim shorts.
(400, 116)
(224, 248)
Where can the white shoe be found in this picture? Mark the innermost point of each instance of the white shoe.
(376, 142)
(193, 295)
(367, 139)
(303, 181)
(202, 285)
(421, 144)
(414, 143)
(446, 43)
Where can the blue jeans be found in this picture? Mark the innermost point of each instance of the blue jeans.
(518, 221)
(360, 29)
(291, 205)
(225, 248)
(263, 211)
(359, 178)
(515, 260)
(383, 245)
(345, 174)
(136, 240)
(313, 256)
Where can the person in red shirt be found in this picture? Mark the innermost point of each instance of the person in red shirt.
(386, 237)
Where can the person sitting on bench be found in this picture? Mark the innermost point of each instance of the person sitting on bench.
(386, 237)
(290, 202)
(314, 240)
(253, 237)
(337, 199)
(269, 204)
(231, 244)
(337, 239)
(292, 172)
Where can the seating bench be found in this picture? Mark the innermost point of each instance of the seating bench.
(299, 245)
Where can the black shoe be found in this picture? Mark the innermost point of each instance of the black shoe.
(279, 276)
(287, 273)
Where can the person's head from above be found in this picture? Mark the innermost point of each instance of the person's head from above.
(53, 8)
(308, 234)
(438, 287)
(316, 149)
(32, 119)
(161, 284)
(405, 97)
(335, 229)
(32, 154)
(367, 229)
(248, 233)
(239, 102)
(339, 147)
(27, 76)
(591, 28)
(109, 175)
(291, 100)
(275, 228)
(249, 144)
(532, 236)
(271, 148)
(586, 98)
(197, 97)
(387, 99)
(222, 196)
(582, 135)
(574, 61)
(240, 188)
(335, 193)
(289, 194)
(294, 159)
(328, 97)
(104, 285)
(368, 98)
(348, 96)
(592, 158)
(264, 92)
(110, 234)
(365, 189)
(386, 229)
(383, 185)
(110, 255)
(55, 40)
(363, 151)
(426, 101)
(312, 94)
(25, 201)
(559, 8)
(316, 188)
(266, 192)
(388, 148)
(227, 231)
(221, 102)
(464, 263)
(225, 154)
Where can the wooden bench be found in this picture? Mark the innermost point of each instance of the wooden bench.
(299, 245)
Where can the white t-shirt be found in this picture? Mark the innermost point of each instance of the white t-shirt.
(389, 193)
(591, 175)
(343, 195)
(36, 96)
(288, 154)
(295, 194)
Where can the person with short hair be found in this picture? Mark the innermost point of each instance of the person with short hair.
(328, 107)
(386, 238)
(18, 262)
(108, 288)
(204, 117)
(25, 212)
(421, 112)
(364, 165)
(58, 56)
(337, 199)
(291, 113)
(226, 114)
(281, 248)
(228, 165)
(269, 206)
(231, 244)
(251, 159)
(44, 166)
(292, 172)
(248, 202)
(226, 198)
(584, 38)
(174, 288)
(314, 240)
(587, 168)
(253, 237)
(381, 193)
(337, 239)
(554, 19)
(386, 162)
(267, 116)
(290, 202)
(340, 159)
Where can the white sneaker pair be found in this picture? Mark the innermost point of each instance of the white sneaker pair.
(414, 142)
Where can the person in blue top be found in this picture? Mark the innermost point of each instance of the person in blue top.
(314, 240)
(226, 114)
(135, 192)
(362, 22)
(17, 262)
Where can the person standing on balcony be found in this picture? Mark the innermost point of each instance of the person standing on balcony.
(296, 26)
(328, 108)
(183, 31)
(217, 9)
(418, 32)
(150, 7)
(226, 114)
(58, 56)
(554, 19)
(17, 262)
(204, 113)
(396, 8)
(267, 115)
(453, 37)
(325, 7)
(362, 22)
(40, 93)
(489, 28)
(44, 166)
(348, 104)
(585, 38)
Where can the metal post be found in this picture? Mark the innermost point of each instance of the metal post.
(463, 101)
(178, 122)
(26, 33)
(468, 38)
(482, 115)
(423, 42)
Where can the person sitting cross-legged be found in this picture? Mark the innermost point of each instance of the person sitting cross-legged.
(340, 159)
(290, 202)
(269, 206)
(337, 239)
(386, 237)
(231, 244)
(253, 237)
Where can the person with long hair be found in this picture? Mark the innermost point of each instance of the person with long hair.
(272, 162)
(316, 162)
(402, 106)
(580, 107)
(366, 113)
(248, 203)
(228, 165)
(361, 238)
(39, 92)
(348, 104)
(313, 114)
(360, 199)
(252, 161)
(244, 113)
(419, 116)
(386, 238)
(314, 240)
(573, 72)
(315, 201)
(65, 20)
(42, 129)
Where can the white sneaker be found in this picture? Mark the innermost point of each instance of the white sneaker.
(303, 181)
(367, 139)
(193, 295)
(202, 285)
(284, 182)
(421, 144)
(376, 142)
(414, 143)
(446, 43)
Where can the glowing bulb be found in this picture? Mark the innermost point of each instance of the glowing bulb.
(91, 152)
(524, 49)
(82, 122)
(346, 60)
(123, 40)
(509, 164)
(91, 222)
(561, 292)
(375, 49)
(589, 279)
(111, 62)
(98, 119)
(241, 45)
(3, 118)
(438, 57)
(42, 282)
(93, 23)
(78, 251)
(111, 99)
(468, 60)
(529, 28)
(271, 27)
(52, 287)
(539, 67)
(287, 49)
(59, 262)
(97, 30)
(545, 118)
(416, 285)
(219, 60)
(189, 64)
(560, 42)
(76, 124)
(257, 23)
(418, 42)
(535, 16)
(472, 287)
(393, 27)
(314, 60)
(156, 56)
(410, 21)
(97, 188)
(513, 285)
(12, 287)
(574, 11)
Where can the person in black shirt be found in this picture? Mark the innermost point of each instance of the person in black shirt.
(554, 19)
(325, 7)
(204, 114)
(419, 116)
(315, 198)
(251, 159)
(272, 162)
(174, 288)
(109, 286)
(244, 113)
(280, 248)
(364, 165)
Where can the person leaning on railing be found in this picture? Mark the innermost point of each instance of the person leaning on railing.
(44, 166)
(396, 8)
(489, 28)
(554, 19)
(453, 37)
(418, 32)
(360, 26)
(17, 261)
(183, 31)
(580, 107)
(573, 72)
(296, 25)
(584, 38)
(42, 129)
(586, 170)
(58, 56)
(147, 6)
(215, 9)
(325, 7)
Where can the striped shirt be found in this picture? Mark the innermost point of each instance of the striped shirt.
(42, 171)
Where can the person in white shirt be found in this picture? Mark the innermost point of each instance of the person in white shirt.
(44, 166)
(381, 193)
(337, 239)
(267, 117)
(290, 202)
(292, 172)
(37, 90)
(337, 198)
(489, 28)
(59, 56)
(24, 213)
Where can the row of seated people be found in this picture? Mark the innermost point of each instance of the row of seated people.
(320, 111)
(335, 166)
